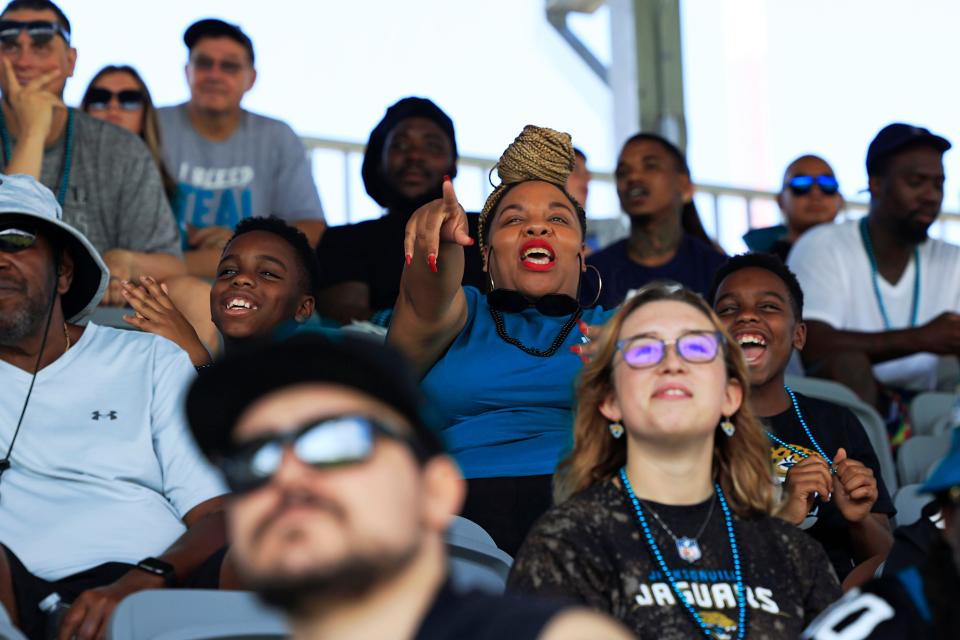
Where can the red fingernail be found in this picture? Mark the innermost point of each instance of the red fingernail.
(583, 326)
(432, 261)
(584, 359)
(576, 349)
(408, 259)
(446, 178)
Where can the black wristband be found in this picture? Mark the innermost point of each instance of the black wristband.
(159, 568)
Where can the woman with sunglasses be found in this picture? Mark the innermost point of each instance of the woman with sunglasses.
(498, 366)
(119, 95)
(663, 516)
(810, 196)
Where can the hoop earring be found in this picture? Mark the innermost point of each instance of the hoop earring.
(599, 285)
(489, 261)
(616, 430)
(728, 427)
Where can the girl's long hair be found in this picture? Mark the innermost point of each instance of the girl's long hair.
(151, 127)
(741, 463)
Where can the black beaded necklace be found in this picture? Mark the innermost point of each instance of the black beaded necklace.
(564, 332)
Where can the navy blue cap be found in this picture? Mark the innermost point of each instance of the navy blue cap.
(947, 473)
(896, 136)
(214, 28)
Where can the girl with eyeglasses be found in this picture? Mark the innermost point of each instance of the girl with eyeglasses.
(498, 366)
(663, 516)
(119, 95)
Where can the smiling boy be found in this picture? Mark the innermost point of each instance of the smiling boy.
(830, 474)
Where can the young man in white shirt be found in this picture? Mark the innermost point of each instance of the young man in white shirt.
(882, 297)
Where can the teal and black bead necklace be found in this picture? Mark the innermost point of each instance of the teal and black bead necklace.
(915, 305)
(662, 563)
(67, 152)
(806, 429)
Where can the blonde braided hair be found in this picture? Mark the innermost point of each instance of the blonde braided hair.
(538, 153)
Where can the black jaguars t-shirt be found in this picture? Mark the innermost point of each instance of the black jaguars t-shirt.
(591, 549)
(834, 427)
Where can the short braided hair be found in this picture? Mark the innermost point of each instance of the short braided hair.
(538, 153)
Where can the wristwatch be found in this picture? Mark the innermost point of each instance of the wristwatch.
(159, 568)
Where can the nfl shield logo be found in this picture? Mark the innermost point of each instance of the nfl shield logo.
(688, 549)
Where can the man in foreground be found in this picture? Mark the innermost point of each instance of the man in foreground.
(342, 497)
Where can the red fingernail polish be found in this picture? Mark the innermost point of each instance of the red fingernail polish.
(583, 326)
(576, 349)
(446, 178)
(408, 259)
(432, 261)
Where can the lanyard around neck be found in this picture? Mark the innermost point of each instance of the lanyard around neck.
(67, 153)
(915, 305)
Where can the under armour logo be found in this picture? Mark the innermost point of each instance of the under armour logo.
(96, 415)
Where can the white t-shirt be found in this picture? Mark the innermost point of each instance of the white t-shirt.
(834, 270)
(104, 468)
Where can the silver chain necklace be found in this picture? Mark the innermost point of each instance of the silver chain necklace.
(687, 548)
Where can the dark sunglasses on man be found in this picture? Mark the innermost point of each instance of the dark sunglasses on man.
(41, 32)
(18, 238)
(128, 99)
(321, 443)
(802, 185)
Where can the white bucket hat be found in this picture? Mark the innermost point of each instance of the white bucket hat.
(22, 196)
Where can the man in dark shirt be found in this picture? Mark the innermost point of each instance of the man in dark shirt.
(667, 241)
(408, 154)
(342, 494)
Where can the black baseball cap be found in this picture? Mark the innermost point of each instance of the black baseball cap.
(214, 28)
(222, 392)
(894, 137)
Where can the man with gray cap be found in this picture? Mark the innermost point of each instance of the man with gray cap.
(917, 601)
(102, 490)
(341, 495)
(407, 155)
(882, 297)
(231, 164)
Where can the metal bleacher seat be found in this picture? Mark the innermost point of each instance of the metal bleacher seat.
(475, 560)
(872, 422)
(909, 503)
(195, 614)
(928, 410)
(919, 454)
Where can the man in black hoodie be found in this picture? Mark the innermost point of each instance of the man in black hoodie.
(408, 154)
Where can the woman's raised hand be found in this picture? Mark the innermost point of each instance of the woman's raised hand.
(439, 221)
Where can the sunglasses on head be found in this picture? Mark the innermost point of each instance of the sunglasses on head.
(697, 347)
(801, 185)
(324, 443)
(40, 31)
(17, 238)
(129, 99)
(552, 304)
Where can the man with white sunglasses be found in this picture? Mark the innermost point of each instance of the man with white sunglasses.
(342, 494)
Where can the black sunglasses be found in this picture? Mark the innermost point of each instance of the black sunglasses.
(18, 238)
(40, 31)
(129, 99)
(802, 185)
(323, 443)
(552, 304)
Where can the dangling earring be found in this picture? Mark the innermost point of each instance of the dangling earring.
(728, 427)
(616, 430)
